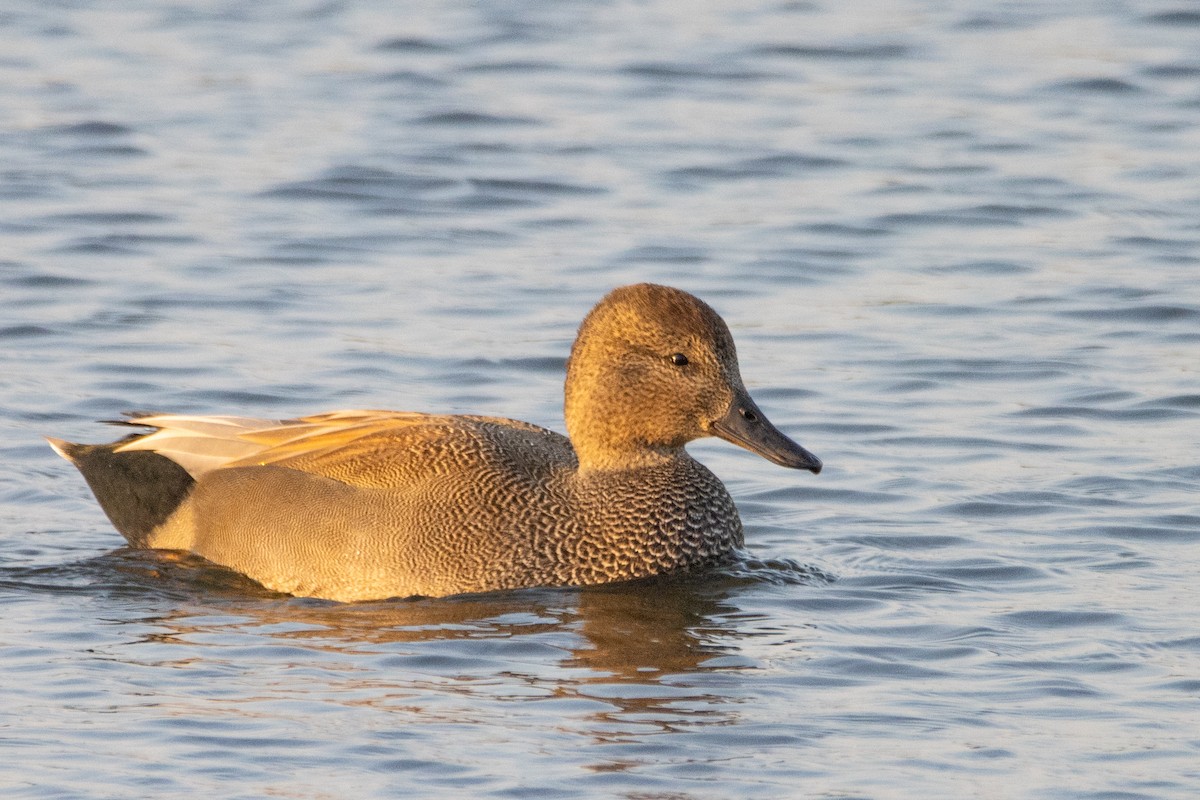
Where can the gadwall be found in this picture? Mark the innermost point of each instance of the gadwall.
(361, 505)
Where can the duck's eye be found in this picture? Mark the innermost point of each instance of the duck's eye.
(679, 360)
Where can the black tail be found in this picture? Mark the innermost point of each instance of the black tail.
(138, 490)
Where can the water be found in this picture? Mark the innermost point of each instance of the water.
(957, 245)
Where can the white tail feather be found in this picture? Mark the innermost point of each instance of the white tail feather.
(199, 444)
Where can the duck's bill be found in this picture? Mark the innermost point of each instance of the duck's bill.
(747, 427)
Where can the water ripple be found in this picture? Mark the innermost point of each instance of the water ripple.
(972, 290)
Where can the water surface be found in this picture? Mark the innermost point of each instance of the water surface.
(957, 245)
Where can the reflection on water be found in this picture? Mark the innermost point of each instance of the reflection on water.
(612, 665)
(607, 667)
(634, 632)
(645, 633)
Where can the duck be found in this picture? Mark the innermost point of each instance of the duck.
(360, 505)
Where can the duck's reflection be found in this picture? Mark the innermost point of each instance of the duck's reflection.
(634, 632)
(623, 632)
(623, 660)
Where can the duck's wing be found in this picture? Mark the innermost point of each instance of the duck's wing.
(359, 447)
(199, 444)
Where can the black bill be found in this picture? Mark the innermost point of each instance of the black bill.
(747, 427)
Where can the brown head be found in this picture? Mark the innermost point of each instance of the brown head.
(654, 368)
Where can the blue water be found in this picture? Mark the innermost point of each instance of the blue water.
(958, 245)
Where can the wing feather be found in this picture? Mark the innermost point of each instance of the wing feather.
(347, 444)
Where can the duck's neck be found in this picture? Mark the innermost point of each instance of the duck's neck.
(606, 437)
(594, 458)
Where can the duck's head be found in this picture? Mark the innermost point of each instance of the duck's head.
(654, 368)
